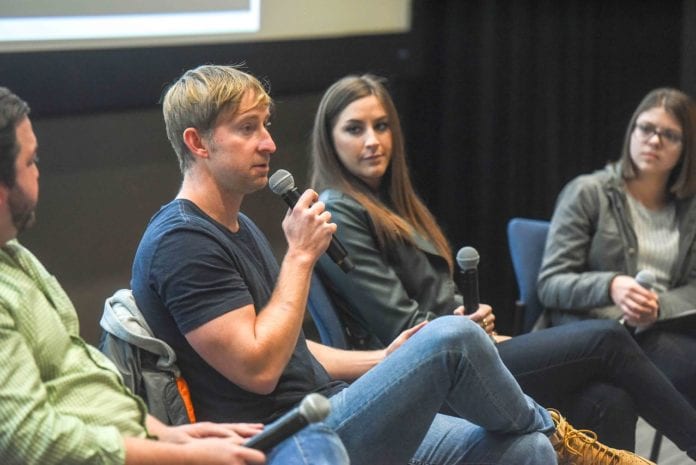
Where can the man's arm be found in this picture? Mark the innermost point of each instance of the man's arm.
(240, 432)
(346, 365)
(252, 350)
(32, 430)
(210, 451)
(349, 365)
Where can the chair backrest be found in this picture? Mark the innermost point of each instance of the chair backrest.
(147, 364)
(325, 315)
(527, 239)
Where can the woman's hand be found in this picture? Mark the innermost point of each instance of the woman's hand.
(483, 316)
(639, 305)
(403, 337)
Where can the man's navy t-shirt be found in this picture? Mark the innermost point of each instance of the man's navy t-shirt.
(188, 270)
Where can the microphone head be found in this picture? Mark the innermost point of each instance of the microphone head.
(646, 278)
(467, 258)
(281, 182)
(314, 407)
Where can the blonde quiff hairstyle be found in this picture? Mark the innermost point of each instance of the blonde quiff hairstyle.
(406, 212)
(200, 96)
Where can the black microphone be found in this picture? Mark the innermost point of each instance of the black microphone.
(468, 259)
(313, 408)
(283, 184)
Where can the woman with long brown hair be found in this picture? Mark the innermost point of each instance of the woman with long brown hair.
(403, 275)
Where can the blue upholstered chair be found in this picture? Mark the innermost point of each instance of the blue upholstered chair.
(526, 239)
(325, 315)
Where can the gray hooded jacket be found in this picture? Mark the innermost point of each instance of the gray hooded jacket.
(591, 239)
(147, 364)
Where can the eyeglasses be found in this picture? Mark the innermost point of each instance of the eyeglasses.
(647, 130)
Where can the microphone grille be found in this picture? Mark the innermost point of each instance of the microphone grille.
(281, 182)
(315, 407)
(646, 278)
(467, 258)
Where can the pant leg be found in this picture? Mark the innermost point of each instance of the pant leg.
(315, 445)
(675, 354)
(453, 441)
(605, 409)
(604, 350)
(385, 415)
(552, 363)
(560, 368)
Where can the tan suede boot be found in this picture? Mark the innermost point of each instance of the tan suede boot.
(580, 447)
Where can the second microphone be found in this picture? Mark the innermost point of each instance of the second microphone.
(283, 184)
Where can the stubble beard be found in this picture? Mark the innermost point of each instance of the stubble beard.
(22, 211)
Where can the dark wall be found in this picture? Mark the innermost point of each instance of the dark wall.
(520, 96)
(106, 165)
(502, 102)
(69, 82)
(103, 175)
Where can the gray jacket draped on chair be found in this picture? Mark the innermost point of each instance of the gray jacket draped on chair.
(147, 364)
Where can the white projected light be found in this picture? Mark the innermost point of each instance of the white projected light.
(42, 29)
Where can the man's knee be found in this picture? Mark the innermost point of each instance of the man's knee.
(531, 449)
(315, 445)
(456, 331)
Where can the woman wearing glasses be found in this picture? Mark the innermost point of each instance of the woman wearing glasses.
(593, 372)
(636, 214)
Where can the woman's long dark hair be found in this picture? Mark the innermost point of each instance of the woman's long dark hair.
(407, 212)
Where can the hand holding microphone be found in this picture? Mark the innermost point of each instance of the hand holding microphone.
(468, 260)
(647, 279)
(313, 408)
(283, 184)
(637, 306)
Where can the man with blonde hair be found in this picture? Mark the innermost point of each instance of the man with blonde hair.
(206, 281)
(63, 402)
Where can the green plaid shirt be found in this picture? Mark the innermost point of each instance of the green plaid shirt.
(61, 400)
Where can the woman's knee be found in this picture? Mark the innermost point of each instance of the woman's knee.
(610, 334)
(608, 327)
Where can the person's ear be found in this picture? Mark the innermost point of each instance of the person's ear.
(195, 142)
